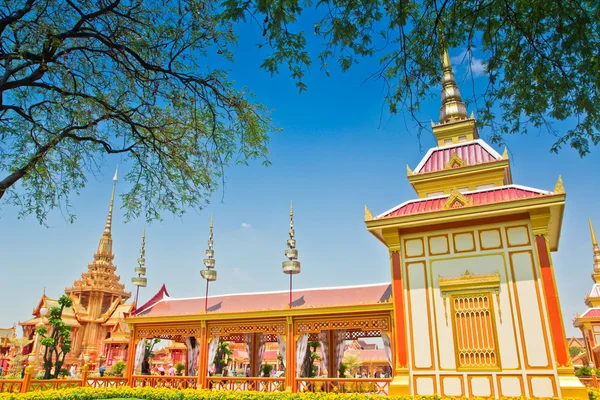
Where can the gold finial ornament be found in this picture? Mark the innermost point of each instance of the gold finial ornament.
(594, 241)
(292, 266)
(505, 153)
(559, 188)
(140, 270)
(453, 109)
(209, 262)
(408, 170)
(107, 227)
(368, 215)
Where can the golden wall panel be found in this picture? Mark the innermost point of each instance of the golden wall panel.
(452, 385)
(480, 385)
(438, 245)
(542, 386)
(510, 386)
(424, 385)
(490, 239)
(414, 248)
(463, 242)
(518, 236)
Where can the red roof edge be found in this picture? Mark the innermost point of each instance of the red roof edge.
(162, 292)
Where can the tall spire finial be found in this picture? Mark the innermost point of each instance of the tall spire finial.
(140, 270)
(292, 265)
(596, 273)
(453, 108)
(209, 274)
(108, 226)
(594, 241)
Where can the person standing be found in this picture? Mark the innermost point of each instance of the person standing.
(73, 371)
(171, 370)
(102, 369)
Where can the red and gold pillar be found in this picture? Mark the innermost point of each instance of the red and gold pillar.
(202, 356)
(290, 356)
(129, 371)
(570, 385)
(400, 385)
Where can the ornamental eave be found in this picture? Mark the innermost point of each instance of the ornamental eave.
(263, 314)
(553, 202)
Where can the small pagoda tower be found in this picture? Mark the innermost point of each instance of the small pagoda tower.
(589, 321)
(98, 293)
(476, 310)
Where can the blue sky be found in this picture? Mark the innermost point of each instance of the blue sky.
(335, 155)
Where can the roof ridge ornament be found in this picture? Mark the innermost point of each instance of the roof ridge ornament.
(559, 188)
(457, 200)
(455, 161)
(368, 215)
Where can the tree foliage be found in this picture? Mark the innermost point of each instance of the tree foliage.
(145, 79)
(351, 363)
(574, 351)
(57, 342)
(80, 80)
(222, 358)
(541, 57)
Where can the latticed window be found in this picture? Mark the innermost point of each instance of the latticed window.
(475, 331)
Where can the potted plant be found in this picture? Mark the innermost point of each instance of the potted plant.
(266, 370)
(178, 368)
(118, 368)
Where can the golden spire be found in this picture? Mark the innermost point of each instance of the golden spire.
(505, 153)
(453, 108)
(596, 273)
(408, 170)
(594, 241)
(101, 272)
(108, 226)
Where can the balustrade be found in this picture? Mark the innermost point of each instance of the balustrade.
(376, 386)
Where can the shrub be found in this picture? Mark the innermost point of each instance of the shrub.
(119, 367)
(88, 393)
(584, 371)
(179, 367)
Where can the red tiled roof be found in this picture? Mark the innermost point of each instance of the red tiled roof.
(367, 356)
(269, 355)
(591, 313)
(489, 196)
(472, 153)
(325, 297)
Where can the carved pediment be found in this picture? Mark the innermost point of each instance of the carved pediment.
(455, 162)
(457, 200)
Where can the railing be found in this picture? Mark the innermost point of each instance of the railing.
(46, 384)
(242, 384)
(10, 385)
(105, 382)
(377, 386)
(165, 381)
(591, 382)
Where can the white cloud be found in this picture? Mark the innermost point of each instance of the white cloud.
(246, 225)
(477, 66)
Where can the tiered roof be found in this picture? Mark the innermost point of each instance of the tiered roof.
(472, 153)
(100, 275)
(464, 177)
